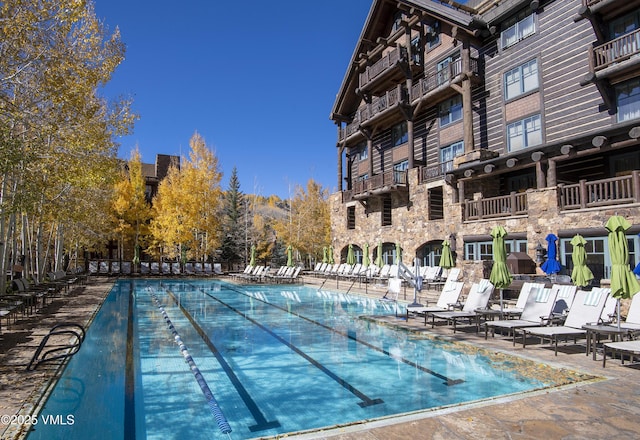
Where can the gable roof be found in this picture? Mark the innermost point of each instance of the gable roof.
(374, 27)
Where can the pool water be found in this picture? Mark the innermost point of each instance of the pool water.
(277, 359)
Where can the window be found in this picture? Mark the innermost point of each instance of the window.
(416, 51)
(628, 100)
(483, 250)
(447, 154)
(598, 257)
(433, 34)
(397, 20)
(521, 80)
(362, 152)
(524, 133)
(351, 217)
(450, 110)
(386, 212)
(400, 171)
(436, 203)
(518, 28)
(448, 68)
(399, 134)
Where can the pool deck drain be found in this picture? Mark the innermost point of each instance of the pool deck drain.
(607, 407)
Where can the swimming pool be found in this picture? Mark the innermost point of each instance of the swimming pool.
(277, 360)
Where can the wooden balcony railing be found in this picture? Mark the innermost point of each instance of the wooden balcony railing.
(378, 184)
(494, 207)
(434, 172)
(389, 61)
(440, 78)
(615, 51)
(605, 192)
(378, 105)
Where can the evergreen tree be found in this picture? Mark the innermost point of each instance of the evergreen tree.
(235, 223)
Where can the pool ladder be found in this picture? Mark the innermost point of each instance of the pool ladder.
(65, 350)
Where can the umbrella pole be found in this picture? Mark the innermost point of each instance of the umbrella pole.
(501, 301)
(618, 308)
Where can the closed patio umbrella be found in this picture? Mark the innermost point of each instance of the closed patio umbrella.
(446, 259)
(325, 258)
(398, 253)
(351, 258)
(581, 275)
(330, 257)
(252, 261)
(366, 261)
(289, 256)
(379, 261)
(500, 276)
(624, 284)
(551, 265)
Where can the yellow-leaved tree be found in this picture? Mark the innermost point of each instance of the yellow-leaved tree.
(131, 210)
(308, 227)
(186, 209)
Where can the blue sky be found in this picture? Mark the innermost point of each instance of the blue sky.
(257, 79)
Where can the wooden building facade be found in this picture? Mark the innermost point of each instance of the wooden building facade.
(456, 118)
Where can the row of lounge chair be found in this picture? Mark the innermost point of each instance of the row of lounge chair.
(263, 274)
(432, 276)
(26, 298)
(116, 268)
(555, 314)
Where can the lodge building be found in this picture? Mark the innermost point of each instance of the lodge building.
(454, 118)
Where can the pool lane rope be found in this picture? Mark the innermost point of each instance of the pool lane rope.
(221, 420)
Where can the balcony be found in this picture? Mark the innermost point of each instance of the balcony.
(434, 172)
(384, 183)
(385, 70)
(495, 207)
(606, 192)
(379, 106)
(615, 51)
(431, 86)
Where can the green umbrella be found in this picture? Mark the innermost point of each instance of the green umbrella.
(351, 257)
(581, 275)
(500, 276)
(366, 261)
(398, 253)
(330, 257)
(289, 256)
(446, 259)
(252, 261)
(325, 258)
(379, 260)
(624, 284)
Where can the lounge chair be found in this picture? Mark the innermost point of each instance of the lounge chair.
(175, 268)
(535, 313)
(446, 301)
(165, 268)
(115, 268)
(144, 268)
(632, 348)
(523, 295)
(103, 269)
(477, 299)
(586, 309)
(291, 277)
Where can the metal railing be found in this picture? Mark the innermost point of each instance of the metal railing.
(494, 207)
(605, 192)
(434, 172)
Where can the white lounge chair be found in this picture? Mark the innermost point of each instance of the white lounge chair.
(536, 311)
(523, 295)
(632, 348)
(446, 301)
(477, 299)
(586, 309)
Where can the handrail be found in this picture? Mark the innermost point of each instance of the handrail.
(67, 350)
(616, 50)
(493, 207)
(604, 192)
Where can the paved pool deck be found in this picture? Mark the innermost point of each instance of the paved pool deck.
(603, 408)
